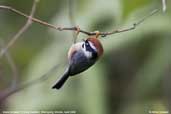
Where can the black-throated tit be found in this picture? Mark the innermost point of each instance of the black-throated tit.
(81, 56)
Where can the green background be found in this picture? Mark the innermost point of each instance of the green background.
(132, 77)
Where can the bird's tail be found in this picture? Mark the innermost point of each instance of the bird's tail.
(61, 80)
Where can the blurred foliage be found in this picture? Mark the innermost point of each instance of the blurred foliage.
(132, 77)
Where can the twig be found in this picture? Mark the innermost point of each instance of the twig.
(133, 26)
(164, 5)
(22, 30)
(14, 86)
(10, 91)
(103, 34)
(6, 93)
(12, 65)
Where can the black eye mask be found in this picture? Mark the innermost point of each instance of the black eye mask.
(90, 49)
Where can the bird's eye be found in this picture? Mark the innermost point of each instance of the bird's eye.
(86, 43)
(83, 45)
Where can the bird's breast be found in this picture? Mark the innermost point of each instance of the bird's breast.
(79, 62)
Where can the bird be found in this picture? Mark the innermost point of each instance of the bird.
(81, 56)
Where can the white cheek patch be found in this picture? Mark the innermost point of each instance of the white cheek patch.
(88, 54)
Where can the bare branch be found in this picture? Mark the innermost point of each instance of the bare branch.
(12, 65)
(14, 86)
(103, 34)
(6, 93)
(133, 26)
(9, 91)
(22, 30)
(164, 5)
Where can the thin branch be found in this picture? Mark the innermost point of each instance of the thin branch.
(133, 26)
(103, 34)
(164, 5)
(22, 30)
(8, 92)
(12, 65)
(14, 86)
(13, 68)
